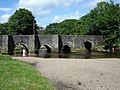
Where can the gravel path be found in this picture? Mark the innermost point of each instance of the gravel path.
(79, 74)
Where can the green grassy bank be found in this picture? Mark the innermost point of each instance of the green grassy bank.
(17, 75)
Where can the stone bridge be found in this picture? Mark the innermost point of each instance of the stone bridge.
(53, 43)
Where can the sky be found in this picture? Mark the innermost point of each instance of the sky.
(49, 11)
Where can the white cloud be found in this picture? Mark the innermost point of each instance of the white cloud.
(5, 9)
(75, 15)
(38, 7)
(4, 18)
(44, 7)
(93, 3)
(70, 2)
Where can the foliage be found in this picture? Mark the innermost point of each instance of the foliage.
(3, 28)
(52, 29)
(66, 27)
(108, 22)
(16, 75)
(21, 22)
(102, 20)
(69, 27)
(40, 30)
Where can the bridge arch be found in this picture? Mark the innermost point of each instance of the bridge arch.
(66, 49)
(88, 44)
(23, 46)
(48, 47)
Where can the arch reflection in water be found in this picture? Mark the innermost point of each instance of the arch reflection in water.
(45, 49)
(45, 52)
(81, 55)
(64, 55)
(48, 48)
(54, 55)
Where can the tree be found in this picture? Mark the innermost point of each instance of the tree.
(40, 30)
(3, 28)
(52, 29)
(84, 24)
(66, 27)
(22, 22)
(108, 21)
(103, 20)
(69, 27)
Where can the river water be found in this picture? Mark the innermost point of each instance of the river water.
(81, 55)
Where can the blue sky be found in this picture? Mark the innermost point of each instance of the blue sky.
(49, 11)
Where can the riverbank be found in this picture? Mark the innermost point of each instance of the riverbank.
(79, 74)
(17, 75)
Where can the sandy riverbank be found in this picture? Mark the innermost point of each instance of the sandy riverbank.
(79, 74)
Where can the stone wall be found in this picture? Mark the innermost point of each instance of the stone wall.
(3, 43)
(55, 42)
(49, 40)
(77, 41)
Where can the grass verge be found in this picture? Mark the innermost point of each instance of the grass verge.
(17, 75)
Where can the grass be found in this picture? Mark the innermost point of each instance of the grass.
(17, 75)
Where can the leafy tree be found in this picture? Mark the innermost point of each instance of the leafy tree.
(108, 22)
(67, 27)
(3, 28)
(52, 29)
(22, 22)
(103, 20)
(40, 30)
(84, 24)
(89, 25)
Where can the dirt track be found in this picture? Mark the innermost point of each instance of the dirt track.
(79, 74)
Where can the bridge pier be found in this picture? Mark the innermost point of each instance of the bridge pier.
(4, 44)
(55, 44)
